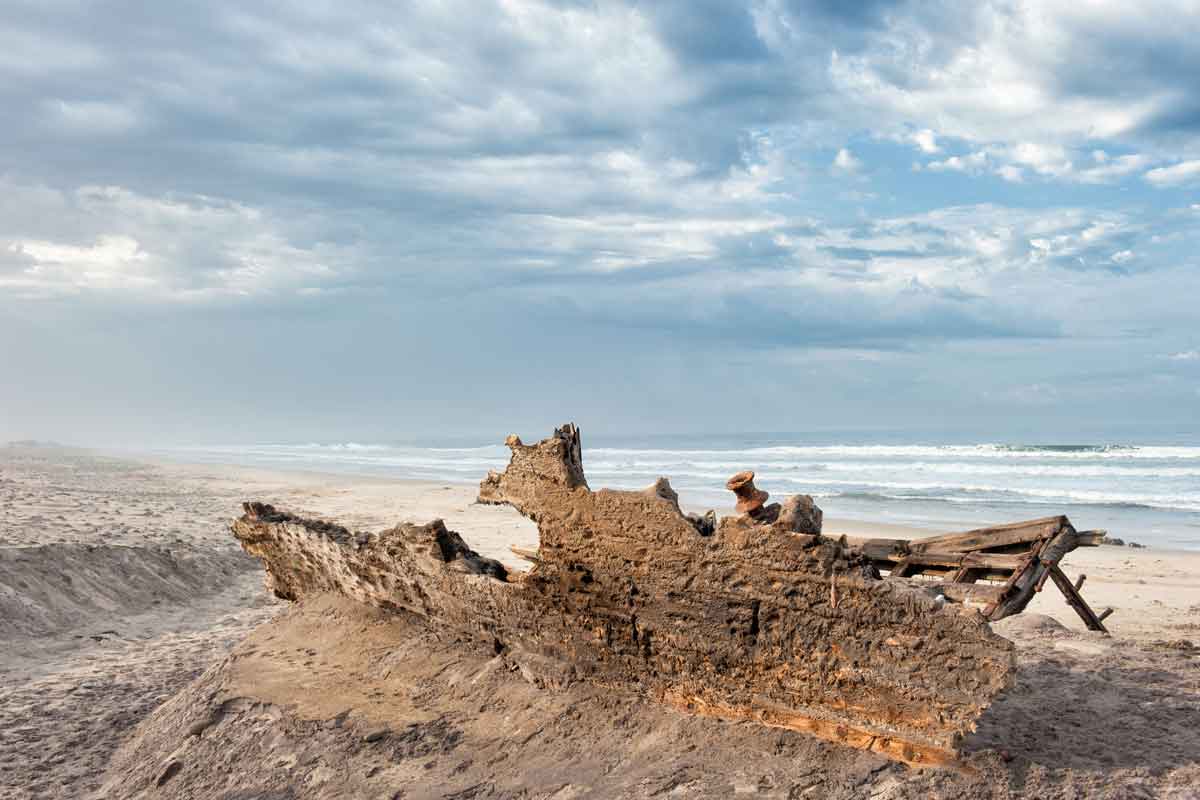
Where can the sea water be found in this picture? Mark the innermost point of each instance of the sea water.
(1148, 493)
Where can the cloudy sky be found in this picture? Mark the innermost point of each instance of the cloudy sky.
(223, 221)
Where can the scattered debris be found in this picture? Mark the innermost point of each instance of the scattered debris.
(998, 569)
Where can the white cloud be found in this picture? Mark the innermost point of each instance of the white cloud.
(926, 140)
(973, 163)
(175, 249)
(1186, 355)
(111, 262)
(845, 162)
(613, 242)
(1011, 173)
(1005, 73)
(1176, 174)
(1013, 163)
(1043, 159)
(1107, 169)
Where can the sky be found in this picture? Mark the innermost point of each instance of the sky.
(251, 221)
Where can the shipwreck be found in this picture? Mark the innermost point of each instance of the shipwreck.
(878, 644)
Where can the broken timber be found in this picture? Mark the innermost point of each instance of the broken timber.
(753, 617)
(1019, 557)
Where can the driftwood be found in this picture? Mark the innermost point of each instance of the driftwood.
(747, 620)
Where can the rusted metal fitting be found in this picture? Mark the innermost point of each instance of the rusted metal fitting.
(750, 498)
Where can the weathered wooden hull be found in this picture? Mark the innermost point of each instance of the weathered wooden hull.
(1017, 559)
(752, 622)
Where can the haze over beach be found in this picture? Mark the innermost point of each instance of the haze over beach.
(278, 280)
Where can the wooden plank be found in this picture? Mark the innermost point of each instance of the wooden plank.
(1104, 614)
(949, 560)
(881, 548)
(525, 553)
(1090, 538)
(914, 753)
(953, 567)
(976, 593)
(946, 573)
(1076, 601)
(995, 536)
(995, 561)
(1079, 582)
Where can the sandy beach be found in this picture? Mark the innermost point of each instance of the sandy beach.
(120, 583)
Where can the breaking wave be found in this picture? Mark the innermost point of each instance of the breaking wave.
(1119, 485)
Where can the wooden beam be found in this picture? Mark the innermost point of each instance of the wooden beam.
(954, 567)
(881, 548)
(525, 553)
(1076, 601)
(1023, 585)
(949, 573)
(1079, 582)
(1104, 614)
(994, 561)
(1090, 538)
(977, 593)
(995, 536)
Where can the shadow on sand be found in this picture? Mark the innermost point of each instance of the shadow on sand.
(1129, 707)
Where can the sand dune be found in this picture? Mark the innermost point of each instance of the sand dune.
(55, 588)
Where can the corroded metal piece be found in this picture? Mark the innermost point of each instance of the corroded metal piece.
(750, 498)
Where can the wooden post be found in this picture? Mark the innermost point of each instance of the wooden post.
(1079, 582)
(1076, 601)
(961, 576)
(1042, 581)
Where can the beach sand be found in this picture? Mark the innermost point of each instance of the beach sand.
(120, 583)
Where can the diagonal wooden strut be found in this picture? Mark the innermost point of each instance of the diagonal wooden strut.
(1076, 601)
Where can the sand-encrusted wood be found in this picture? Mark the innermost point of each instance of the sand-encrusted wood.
(752, 622)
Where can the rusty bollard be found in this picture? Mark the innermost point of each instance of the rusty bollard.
(750, 498)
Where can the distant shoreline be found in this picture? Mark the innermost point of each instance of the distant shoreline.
(853, 526)
(1148, 587)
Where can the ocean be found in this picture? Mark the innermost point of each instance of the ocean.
(1147, 493)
